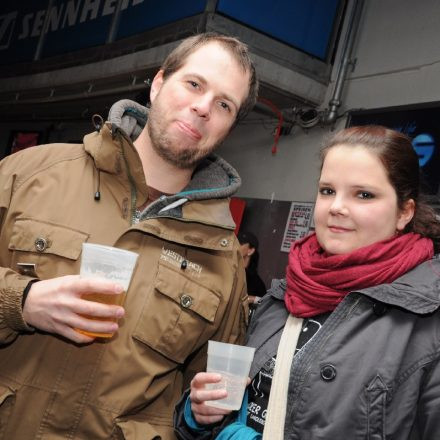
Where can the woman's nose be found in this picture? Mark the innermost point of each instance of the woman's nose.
(338, 206)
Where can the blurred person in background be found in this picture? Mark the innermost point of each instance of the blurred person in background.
(249, 250)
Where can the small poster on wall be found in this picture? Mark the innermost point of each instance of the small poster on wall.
(298, 223)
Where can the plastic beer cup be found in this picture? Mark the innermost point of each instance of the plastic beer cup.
(233, 363)
(110, 263)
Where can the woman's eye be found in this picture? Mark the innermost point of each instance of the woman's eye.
(365, 195)
(326, 191)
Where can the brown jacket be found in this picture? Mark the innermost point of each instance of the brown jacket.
(124, 388)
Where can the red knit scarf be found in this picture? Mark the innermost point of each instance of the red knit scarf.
(317, 282)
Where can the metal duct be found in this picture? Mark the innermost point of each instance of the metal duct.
(329, 116)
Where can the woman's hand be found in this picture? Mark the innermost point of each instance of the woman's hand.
(203, 413)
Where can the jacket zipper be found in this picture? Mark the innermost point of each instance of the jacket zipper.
(133, 194)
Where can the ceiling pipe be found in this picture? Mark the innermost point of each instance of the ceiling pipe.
(330, 115)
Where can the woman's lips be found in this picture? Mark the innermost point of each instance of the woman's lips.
(339, 229)
(189, 130)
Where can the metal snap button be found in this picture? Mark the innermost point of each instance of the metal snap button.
(328, 372)
(186, 301)
(224, 242)
(40, 244)
(183, 264)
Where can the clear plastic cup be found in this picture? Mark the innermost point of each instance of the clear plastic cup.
(110, 263)
(233, 362)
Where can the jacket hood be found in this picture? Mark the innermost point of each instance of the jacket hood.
(213, 178)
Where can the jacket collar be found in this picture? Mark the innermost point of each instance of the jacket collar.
(417, 291)
(214, 178)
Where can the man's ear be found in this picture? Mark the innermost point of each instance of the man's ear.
(251, 251)
(156, 85)
(406, 214)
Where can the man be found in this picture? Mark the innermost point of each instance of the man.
(249, 251)
(164, 196)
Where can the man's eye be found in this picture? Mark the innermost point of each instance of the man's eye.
(193, 84)
(225, 106)
(326, 191)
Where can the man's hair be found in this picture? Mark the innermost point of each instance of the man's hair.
(175, 60)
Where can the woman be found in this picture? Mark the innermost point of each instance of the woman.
(366, 286)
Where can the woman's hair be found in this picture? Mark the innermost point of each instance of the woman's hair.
(239, 51)
(401, 164)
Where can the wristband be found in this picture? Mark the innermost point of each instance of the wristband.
(26, 292)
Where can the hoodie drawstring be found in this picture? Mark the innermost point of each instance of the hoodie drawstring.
(98, 192)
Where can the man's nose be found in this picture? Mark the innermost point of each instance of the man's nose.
(203, 106)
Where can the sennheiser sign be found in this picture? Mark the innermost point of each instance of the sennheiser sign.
(70, 25)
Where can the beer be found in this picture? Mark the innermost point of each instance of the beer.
(105, 299)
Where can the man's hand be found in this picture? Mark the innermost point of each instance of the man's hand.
(55, 306)
(205, 414)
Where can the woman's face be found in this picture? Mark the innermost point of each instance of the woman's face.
(356, 204)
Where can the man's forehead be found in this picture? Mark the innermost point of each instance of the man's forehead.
(211, 47)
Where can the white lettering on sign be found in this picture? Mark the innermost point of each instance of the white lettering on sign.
(68, 13)
(7, 25)
(91, 6)
(109, 7)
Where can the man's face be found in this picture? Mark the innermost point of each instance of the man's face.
(193, 110)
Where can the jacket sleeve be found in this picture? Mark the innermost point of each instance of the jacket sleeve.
(183, 432)
(12, 284)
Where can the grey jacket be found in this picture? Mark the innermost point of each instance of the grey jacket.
(372, 370)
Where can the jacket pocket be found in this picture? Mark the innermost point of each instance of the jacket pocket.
(377, 392)
(176, 317)
(7, 400)
(133, 430)
(36, 245)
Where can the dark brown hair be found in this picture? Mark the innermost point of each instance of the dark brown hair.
(235, 47)
(401, 163)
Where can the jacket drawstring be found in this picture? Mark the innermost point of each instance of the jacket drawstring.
(98, 192)
(98, 123)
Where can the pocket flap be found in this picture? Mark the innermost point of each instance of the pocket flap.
(187, 292)
(32, 235)
(132, 429)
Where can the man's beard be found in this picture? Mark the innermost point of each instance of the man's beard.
(165, 147)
